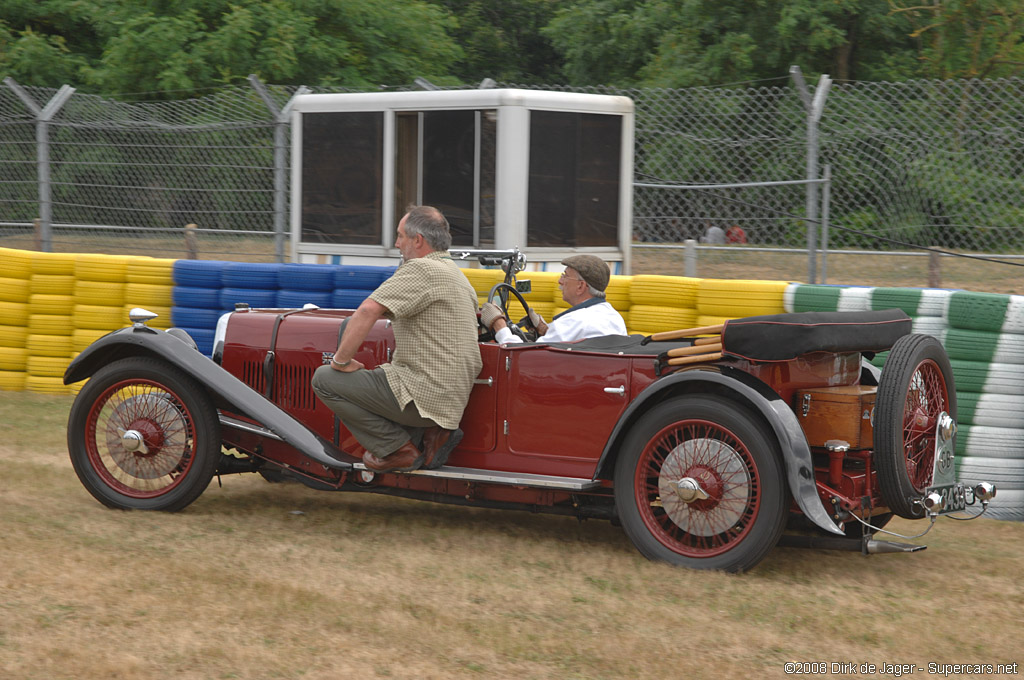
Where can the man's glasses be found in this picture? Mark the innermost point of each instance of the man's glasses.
(567, 278)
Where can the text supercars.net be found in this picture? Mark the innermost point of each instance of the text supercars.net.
(897, 670)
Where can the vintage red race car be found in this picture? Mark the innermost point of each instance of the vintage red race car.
(705, 444)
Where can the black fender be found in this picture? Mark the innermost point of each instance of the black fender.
(752, 392)
(226, 389)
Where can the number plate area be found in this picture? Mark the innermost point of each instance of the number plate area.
(954, 497)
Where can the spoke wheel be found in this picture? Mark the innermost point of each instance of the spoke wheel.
(699, 483)
(916, 387)
(143, 435)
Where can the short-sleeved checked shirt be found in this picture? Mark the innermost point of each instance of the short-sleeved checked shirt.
(433, 311)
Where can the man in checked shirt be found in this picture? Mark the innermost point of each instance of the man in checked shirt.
(432, 307)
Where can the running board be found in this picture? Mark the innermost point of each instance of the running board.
(507, 478)
(448, 472)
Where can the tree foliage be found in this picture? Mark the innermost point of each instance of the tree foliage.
(120, 46)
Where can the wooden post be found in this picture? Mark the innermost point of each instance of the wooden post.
(934, 270)
(191, 242)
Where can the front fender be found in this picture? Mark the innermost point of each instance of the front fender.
(754, 393)
(225, 387)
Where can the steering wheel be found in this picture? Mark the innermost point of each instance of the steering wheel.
(530, 335)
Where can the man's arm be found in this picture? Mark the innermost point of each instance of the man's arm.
(356, 330)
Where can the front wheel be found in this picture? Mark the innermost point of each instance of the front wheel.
(143, 435)
(699, 483)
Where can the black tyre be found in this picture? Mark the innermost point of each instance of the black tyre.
(736, 461)
(143, 435)
(915, 389)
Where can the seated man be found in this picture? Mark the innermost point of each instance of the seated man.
(426, 385)
(583, 284)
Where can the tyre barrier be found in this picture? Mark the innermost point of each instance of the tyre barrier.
(258, 275)
(988, 378)
(306, 277)
(987, 346)
(41, 303)
(994, 410)
(203, 338)
(198, 273)
(192, 317)
(146, 294)
(13, 358)
(14, 290)
(13, 336)
(360, 277)
(739, 298)
(98, 317)
(256, 299)
(1005, 473)
(58, 346)
(800, 297)
(13, 381)
(992, 312)
(914, 301)
(50, 324)
(989, 442)
(349, 298)
(52, 284)
(60, 264)
(197, 298)
(98, 292)
(293, 299)
(15, 263)
(96, 267)
(648, 319)
(157, 271)
(664, 291)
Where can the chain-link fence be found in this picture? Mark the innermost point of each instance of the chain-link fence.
(919, 163)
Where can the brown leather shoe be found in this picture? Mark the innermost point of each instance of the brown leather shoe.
(405, 459)
(438, 443)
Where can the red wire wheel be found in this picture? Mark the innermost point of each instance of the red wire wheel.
(915, 389)
(143, 435)
(699, 483)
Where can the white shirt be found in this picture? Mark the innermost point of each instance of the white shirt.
(576, 324)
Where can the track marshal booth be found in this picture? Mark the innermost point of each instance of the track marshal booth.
(547, 172)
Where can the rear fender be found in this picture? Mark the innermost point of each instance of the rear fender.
(757, 396)
(227, 390)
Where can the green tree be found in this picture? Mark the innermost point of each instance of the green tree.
(119, 46)
(505, 40)
(967, 38)
(678, 43)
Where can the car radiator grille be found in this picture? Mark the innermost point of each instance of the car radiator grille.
(291, 388)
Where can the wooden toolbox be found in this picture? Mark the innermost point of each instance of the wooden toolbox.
(845, 412)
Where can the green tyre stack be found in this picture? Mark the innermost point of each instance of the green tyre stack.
(985, 342)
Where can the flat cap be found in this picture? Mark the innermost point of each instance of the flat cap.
(591, 268)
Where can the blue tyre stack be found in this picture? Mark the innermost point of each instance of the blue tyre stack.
(253, 283)
(353, 283)
(302, 284)
(197, 299)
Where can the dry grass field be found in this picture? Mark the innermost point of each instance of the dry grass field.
(259, 580)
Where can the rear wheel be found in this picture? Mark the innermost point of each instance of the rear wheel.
(143, 435)
(712, 444)
(916, 387)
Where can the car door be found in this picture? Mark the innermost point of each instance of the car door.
(561, 407)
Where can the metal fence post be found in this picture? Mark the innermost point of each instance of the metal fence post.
(690, 258)
(826, 199)
(814, 108)
(281, 119)
(43, 117)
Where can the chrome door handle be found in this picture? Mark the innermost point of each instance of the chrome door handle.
(620, 390)
(484, 381)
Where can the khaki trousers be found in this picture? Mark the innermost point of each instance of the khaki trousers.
(368, 408)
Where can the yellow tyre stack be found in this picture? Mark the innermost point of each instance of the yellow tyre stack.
(735, 299)
(617, 293)
(99, 300)
(15, 290)
(150, 284)
(662, 303)
(48, 343)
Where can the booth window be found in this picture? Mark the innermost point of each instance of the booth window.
(447, 159)
(342, 166)
(574, 179)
